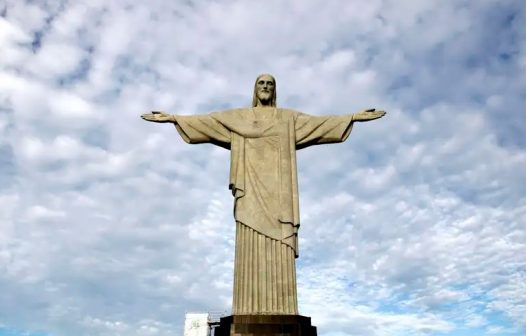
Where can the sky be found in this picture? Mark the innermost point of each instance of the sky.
(109, 225)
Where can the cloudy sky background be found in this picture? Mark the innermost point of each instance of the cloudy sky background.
(113, 226)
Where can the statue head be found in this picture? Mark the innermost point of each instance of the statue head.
(264, 91)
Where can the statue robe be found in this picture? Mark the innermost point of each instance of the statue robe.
(263, 144)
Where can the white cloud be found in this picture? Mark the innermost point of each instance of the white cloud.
(109, 225)
(55, 60)
(39, 212)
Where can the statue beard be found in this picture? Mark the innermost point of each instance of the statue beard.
(265, 96)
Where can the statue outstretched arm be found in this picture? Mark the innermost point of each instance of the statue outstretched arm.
(194, 129)
(317, 130)
(160, 117)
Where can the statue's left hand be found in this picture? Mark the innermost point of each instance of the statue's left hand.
(159, 117)
(367, 115)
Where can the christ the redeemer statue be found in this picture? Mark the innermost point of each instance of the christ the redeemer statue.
(263, 140)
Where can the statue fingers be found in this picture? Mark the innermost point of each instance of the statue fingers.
(150, 117)
(159, 117)
(378, 114)
(370, 114)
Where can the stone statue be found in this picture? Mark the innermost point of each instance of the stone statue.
(263, 141)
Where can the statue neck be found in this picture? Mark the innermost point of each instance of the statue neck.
(264, 103)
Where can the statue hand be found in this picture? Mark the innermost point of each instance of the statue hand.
(367, 115)
(159, 117)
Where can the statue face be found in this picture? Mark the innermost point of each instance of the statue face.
(265, 89)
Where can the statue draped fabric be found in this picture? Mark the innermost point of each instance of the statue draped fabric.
(263, 144)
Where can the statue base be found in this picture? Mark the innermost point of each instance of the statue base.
(265, 325)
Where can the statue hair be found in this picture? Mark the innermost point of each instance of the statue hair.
(255, 97)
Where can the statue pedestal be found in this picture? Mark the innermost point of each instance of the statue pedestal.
(265, 325)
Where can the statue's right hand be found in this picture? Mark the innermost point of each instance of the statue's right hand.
(159, 117)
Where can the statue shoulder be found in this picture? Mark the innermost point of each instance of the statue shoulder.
(290, 113)
(230, 115)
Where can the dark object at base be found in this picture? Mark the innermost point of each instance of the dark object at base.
(265, 325)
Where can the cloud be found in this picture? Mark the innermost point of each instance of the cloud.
(111, 226)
